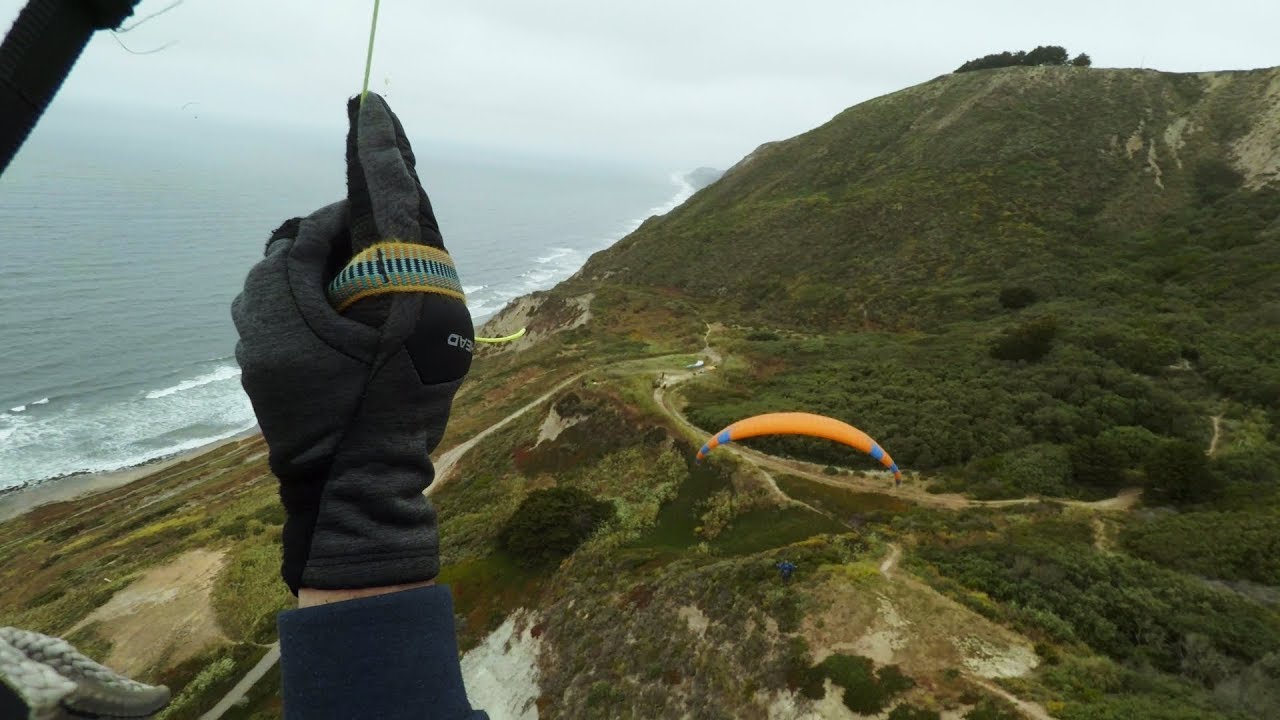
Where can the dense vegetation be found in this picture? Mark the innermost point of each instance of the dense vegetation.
(867, 690)
(987, 288)
(1223, 545)
(1041, 55)
(1048, 579)
(550, 524)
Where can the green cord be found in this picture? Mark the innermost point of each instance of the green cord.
(368, 60)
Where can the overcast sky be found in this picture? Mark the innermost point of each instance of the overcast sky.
(673, 83)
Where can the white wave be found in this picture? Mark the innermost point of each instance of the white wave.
(129, 430)
(24, 408)
(469, 289)
(556, 254)
(227, 372)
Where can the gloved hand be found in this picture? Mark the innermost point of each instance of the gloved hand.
(351, 405)
(43, 678)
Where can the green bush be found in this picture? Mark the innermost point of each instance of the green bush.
(1030, 341)
(866, 691)
(1098, 463)
(1129, 609)
(1226, 545)
(857, 675)
(1214, 179)
(1017, 297)
(1041, 469)
(550, 524)
(1178, 472)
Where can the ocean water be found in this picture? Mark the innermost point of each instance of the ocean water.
(121, 249)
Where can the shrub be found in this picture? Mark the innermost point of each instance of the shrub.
(992, 709)
(1036, 470)
(1215, 179)
(1030, 341)
(550, 524)
(862, 693)
(1017, 297)
(1098, 463)
(762, 335)
(866, 691)
(1178, 471)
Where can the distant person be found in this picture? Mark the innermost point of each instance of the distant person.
(350, 405)
(786, 569)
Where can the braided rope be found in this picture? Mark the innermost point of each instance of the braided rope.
(48, 672)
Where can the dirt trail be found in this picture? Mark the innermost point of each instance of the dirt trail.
(1217, 433)
(891, 561)
(446, 461)
(1027, 708)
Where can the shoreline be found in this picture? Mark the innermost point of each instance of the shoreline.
(16, 503)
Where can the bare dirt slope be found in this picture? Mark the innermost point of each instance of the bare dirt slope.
(165, 613)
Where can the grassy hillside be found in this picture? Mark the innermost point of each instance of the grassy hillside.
(995, 270)
(1048, 285)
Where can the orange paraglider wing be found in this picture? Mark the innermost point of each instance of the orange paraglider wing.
(796, 423)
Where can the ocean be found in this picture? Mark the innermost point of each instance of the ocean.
(121, 249)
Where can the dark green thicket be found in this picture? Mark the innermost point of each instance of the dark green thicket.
(550, 524)
(1041, 55)
(866, 690)
(1053, 583)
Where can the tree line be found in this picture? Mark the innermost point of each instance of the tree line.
(1041, 55)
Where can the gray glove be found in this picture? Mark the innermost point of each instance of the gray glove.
(351, 405)
(44, 678)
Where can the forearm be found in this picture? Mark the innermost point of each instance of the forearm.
(311, 597)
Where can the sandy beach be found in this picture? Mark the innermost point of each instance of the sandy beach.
(74, 487)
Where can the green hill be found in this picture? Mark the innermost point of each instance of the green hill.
(995, 269)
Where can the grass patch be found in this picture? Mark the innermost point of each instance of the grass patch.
(485, 591)
(677, 522)
(249, 592)
(767, 528)
(200, 682)
(844, 504)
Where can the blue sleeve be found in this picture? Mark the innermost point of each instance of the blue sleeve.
(387, 657)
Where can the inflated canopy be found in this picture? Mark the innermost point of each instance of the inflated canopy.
(796, 423)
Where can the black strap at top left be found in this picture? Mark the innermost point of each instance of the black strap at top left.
(37, 55)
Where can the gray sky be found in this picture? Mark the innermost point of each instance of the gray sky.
(670, 83)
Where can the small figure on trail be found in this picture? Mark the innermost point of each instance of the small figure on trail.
(786, 568)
